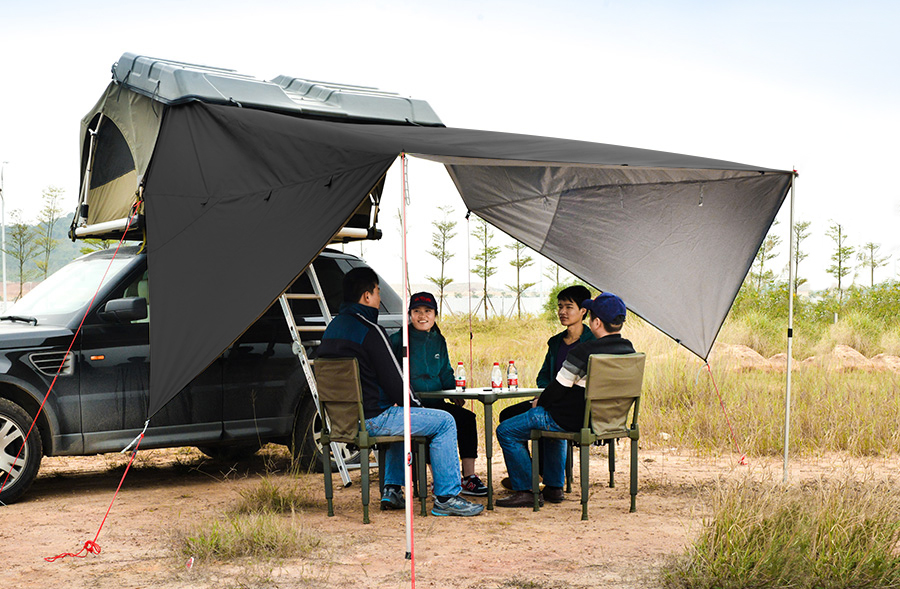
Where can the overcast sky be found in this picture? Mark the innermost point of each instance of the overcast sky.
(809, 85)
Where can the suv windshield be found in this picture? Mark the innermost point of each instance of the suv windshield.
(66, 292)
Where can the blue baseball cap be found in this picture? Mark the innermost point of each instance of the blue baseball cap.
(607, 306)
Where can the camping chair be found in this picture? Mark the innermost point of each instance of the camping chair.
(340, 399)
(613, 388)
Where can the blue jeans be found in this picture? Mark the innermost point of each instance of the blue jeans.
(514, 434)
(440, 429)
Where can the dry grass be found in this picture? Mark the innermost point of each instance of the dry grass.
(853, 412)
(822, 535)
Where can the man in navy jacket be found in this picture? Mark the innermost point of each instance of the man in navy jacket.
(355, 333)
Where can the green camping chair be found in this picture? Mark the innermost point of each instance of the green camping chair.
(613, 389)
(340, 402)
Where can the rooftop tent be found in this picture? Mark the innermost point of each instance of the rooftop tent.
(673, 235)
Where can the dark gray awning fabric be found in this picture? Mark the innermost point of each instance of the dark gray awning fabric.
(239, 201)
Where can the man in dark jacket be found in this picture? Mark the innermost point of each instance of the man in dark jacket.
(560, 407)
(355, 333)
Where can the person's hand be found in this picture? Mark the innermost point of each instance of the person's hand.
(534, 402)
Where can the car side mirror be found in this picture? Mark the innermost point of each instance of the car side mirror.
(124, 310)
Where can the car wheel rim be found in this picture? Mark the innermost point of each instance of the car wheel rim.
(348, 452)
(13, 451)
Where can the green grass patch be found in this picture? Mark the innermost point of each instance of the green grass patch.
(263, 524)
(237, 535)
(823, 535)
(277, 496)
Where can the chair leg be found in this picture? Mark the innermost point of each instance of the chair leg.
(422, 478)
(634, 474)
(584, 463)
(611, 444)
(569, 461)
(535, 469)
(382, 454)
(329, 491)
(364, 481)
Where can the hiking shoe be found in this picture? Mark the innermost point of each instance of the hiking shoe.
(553, 494)
(392, 498)
(472, 485)
(456, 505)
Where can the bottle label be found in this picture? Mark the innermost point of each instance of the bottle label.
(513, 383)
(460, 385)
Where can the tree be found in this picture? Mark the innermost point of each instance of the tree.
(868, 256)
(801, 232)
(841, 256)
(552, 273)
(523, 260)
(439, 249)
(21, 244)
(486, 256)
(47, 219)
(765, 254)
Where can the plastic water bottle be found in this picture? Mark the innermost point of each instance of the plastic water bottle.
(496, 378)
(460, 377)
(512, 376)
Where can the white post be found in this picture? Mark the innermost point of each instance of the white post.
(790, 332)
(3, 236)
(407, 441)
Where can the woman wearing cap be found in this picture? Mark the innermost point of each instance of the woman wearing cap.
(430, 370)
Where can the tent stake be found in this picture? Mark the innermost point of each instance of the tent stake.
(790, 331)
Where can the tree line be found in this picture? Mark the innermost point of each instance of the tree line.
(867, 256)
(486, 258)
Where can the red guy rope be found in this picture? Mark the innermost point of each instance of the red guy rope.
(743, 459)
(91, 546)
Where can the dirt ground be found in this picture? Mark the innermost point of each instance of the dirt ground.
(505, 548)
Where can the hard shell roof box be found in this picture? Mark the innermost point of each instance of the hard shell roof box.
(174, 82)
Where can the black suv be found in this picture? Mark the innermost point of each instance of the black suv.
(254, 393)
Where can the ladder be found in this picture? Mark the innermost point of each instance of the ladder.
(298, 349)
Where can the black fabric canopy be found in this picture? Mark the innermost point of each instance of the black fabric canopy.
(234, 190)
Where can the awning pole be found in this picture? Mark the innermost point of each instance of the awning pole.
(407, 442)
(790, 331)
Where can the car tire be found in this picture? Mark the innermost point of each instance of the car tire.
(306, 448)
(236, 452)
(14, 425)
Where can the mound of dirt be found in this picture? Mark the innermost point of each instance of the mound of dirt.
(842, 358)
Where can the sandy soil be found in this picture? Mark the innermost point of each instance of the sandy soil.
(169, 489)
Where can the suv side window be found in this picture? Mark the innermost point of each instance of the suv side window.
(331, 278)
(140, 288)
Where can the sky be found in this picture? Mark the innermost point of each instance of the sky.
(811, 86)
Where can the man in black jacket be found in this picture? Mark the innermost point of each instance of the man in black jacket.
(560, 407)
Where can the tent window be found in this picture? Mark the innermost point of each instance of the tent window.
(112, 157)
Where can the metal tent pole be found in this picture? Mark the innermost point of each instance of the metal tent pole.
(790, 332)
(407, 441)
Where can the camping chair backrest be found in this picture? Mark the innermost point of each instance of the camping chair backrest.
(340, 395)
(614, 384)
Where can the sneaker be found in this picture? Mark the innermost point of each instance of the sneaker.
(472, 485)
(456, 505)
(392, 498)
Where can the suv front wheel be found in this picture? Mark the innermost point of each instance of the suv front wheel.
(19, 459)
(306, 445)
